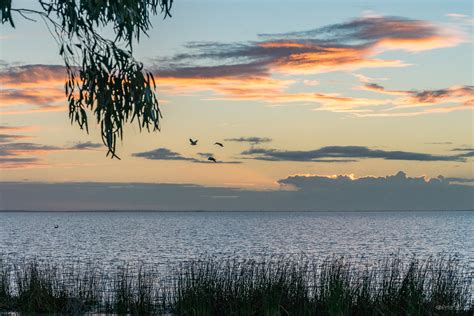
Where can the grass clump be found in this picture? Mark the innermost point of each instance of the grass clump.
(335, 286)
(39, 290)
(134, 293)
(43, 288)
(5, 297)
(274, 286)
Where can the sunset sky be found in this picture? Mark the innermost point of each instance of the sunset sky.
(293, 89)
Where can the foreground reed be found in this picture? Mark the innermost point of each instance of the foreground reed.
(284, 286)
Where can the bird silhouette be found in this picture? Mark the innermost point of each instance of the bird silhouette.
(219, 144)
(193, 142)
(212, 159)
(56, 226)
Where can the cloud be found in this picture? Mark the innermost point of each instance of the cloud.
(380, 89)
(245, 71)
(23, 154)
(42, 109)
(329, 102)
(8, 138)
(459, 94)
(284, 53)
(459, 180)
(386, 33)
(161, 154)
(252, 140)
(32, 76)
(315, 182)
(5, 128)
(454, 98)
(311, 83)
(86, 145)
(456, 15)
(463, 19)
(205, 155)
(389, 192)
(310, 192)
(253, 70)
(18, 162)
(341, 153)
(41, 87)
(414, 113)
(367, 79)
(455, 94)
(166, 154)
(439, 143)
(463, 149)
(38, 97)
(217, 162)
(467, 154)
(15, 149)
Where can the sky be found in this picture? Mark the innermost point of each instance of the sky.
(320, 105)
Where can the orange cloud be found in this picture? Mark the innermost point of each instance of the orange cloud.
(7, 128)
(31, 96)
(20, 163)
(38, 87)
(248, 71)
(416, 113)
(432, 101)
(223, 85)
(380, 89)
(19, 149)
(32, 76)
(332, 59)
(11, 137)
(330, 102)
(24, 155)
(346, 46)
(457, 94)
(418, 45)
(41, 87)
(46, 109)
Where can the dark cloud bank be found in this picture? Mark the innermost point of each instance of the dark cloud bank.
(22, 155)
(396, 192)
(251, 140)
(338, 152)
(166, 154)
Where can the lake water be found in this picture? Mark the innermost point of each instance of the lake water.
(173, 237)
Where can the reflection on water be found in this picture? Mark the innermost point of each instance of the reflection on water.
(172, 237)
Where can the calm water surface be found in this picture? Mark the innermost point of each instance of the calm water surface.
(172, 237)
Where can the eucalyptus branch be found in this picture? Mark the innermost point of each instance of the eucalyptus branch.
(101, 76)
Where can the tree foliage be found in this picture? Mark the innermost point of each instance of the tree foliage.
(102, 74)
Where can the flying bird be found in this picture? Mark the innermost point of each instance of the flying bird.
(219, 144)
(212, 159)
(193, 142)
